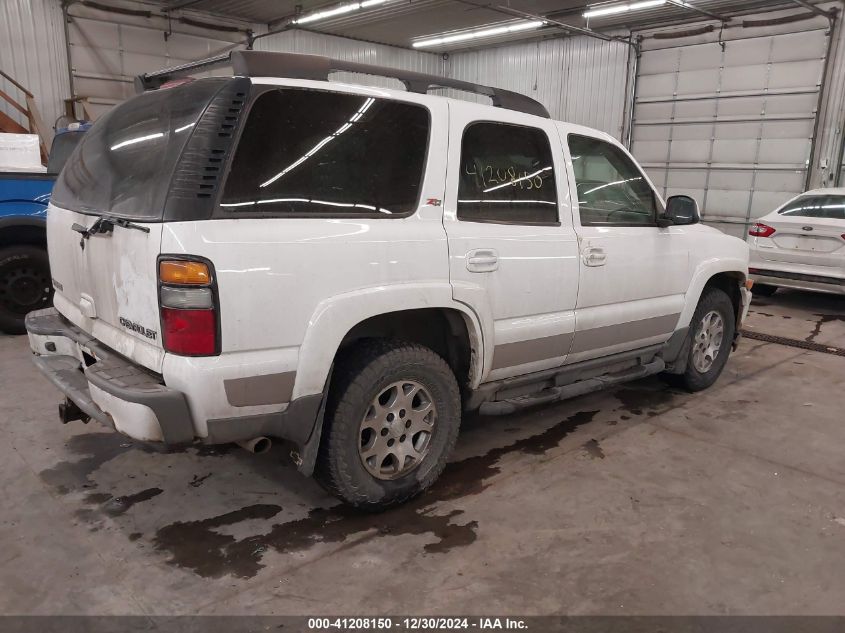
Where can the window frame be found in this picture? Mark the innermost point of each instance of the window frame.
(659, 206)
(458, 217)
(257, 91)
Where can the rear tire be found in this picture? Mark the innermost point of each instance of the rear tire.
(389, 402)
(25, 285)
(763, 290)
(709, 342)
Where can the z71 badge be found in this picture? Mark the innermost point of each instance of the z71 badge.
(135, 327)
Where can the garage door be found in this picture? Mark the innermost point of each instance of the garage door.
(730, 123)
(107, 51)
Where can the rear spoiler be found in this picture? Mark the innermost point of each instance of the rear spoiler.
(318, 68)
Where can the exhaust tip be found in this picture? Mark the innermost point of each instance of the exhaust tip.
(257, 445)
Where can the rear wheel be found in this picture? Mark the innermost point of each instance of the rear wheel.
(25, 285)
(764, 290)
(711, 336)
(392, 419)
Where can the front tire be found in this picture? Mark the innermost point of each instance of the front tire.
(711, 335)
(392, 419)
(25, 285)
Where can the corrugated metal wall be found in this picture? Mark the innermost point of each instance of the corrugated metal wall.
(297, 41)
(32, 50)
(579, 79)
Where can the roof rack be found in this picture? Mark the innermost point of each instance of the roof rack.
(316, 67)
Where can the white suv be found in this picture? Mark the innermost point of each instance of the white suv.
(273, 255)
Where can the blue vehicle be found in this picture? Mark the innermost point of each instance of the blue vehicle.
(25, 282)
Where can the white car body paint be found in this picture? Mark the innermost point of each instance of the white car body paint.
(132, 419)
(802, 248)
(531, 295)
(290, 289)
(117, 272)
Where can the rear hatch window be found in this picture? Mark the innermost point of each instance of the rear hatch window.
(828, 207)
(124, 164)
(308, 153)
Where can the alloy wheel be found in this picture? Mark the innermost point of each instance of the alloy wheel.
(395, 434)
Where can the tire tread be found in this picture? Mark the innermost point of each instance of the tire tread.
(355, 372)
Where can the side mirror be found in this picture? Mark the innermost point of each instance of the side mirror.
(680, 210)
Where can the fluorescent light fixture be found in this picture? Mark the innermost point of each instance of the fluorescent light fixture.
(138, 139)
(508, 201)
(513, 27)
(343, 128)
(356, 205)
(623, 8)
(612, 184)
(338, 10)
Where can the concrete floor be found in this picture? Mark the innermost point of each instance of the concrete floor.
(641, 500)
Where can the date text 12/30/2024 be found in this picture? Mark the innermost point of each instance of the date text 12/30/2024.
(416, 624)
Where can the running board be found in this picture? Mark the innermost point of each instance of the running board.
(580, 388)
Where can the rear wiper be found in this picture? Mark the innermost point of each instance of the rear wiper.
(105, 224)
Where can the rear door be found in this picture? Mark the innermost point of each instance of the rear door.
(808, 231)
(513, 253)
(108, 288)
(634, 275)
(106, 282)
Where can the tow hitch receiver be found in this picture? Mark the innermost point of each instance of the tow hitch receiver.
(68, 412)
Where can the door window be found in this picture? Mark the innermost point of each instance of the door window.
(507, 175)
(311, 153)
(611, 188)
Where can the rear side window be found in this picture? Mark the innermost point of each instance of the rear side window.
(611, 188)
(123, 165)
(507, 175)
(828, 207)
(309, 152)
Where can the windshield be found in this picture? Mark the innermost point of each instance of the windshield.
(123, 165)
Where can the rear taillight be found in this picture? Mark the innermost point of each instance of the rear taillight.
(761, 230)
(188, 303)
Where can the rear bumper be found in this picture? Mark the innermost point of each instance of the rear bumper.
(112, 390)
(136, 402)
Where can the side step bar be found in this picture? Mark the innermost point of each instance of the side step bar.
(580, 388)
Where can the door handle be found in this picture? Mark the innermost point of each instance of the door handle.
(593, 256)
(482, 260)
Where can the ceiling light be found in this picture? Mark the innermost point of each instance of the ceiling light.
(513, 27)
(623, 8)
(339, 10)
